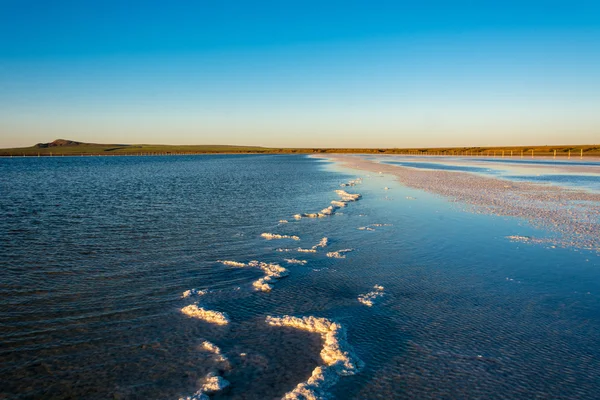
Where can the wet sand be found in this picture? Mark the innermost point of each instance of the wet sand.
(571, 216)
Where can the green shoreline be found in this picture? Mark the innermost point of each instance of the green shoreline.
(62, 147)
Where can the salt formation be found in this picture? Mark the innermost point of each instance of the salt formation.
(270, 236)
(322, 243)
(283, 221)
(381, 224)
(346, 197)
(517, 238)
(337, 356)
(232, 263)
(214, 317)
(365, 228)
(194, 292)
(294, 261)
(301, 250)
(338, 203)
(213, 383)
(368, 299)
(352, 182)
(273, 272)
(339, 253)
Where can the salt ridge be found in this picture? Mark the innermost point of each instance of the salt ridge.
(337, 356)
(271, 236)
(194, 292)
(368, 299)
(339, 253)
(295, 261)
(214, 317)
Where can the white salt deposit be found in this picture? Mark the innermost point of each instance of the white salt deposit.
(194, 292)
(368, 299)
(365, 228)
(337, 355)
(216, 350)
(283, 221)
(338, 203)
(270, 236)
(214, 317)
(213, 383)
(301, 250)
(199, 395)
(273, 272)
(339, 253)
(295, 261)
(517, 238)
(348, 196)
(322, 243)
(232, 263)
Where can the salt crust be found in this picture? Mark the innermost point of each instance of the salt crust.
(322, 243)
(335, 204)
(271, 236)
(368, 299)
(337, 356)
(213, 383)
(194, 292)
(339, 253)
(346, 197)
(295, 261)
(273, 272)
(214, 317)
(365, 228)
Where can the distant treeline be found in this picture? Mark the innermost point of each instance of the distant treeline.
(63, 147)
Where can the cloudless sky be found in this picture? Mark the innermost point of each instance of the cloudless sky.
(305, 73)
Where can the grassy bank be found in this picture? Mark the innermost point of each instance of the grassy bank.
(71, 148)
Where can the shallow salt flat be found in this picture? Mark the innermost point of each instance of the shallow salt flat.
(572, 215)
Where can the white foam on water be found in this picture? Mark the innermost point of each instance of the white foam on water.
(295, 261)
(322, 243)
(368, 299)
(410, 198)
(194, 292)
(213, 317)
(365, 228)
(271, 236)
(339, 253)
(348, 196)
(337, 355)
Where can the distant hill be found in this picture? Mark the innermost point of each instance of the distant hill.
(66, 147)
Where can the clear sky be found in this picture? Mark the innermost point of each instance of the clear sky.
(300, 73)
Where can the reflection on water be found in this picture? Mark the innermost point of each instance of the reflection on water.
(541, 171)
(96, 252)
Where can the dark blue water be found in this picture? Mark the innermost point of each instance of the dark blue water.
(95, 253)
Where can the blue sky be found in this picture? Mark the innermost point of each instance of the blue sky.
(335, 74)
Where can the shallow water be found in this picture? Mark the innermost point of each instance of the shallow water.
(95, 253)
(554, 172)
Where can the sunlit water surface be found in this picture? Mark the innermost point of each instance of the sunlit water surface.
(95, 253)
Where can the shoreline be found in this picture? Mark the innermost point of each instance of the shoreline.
(570, 215)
